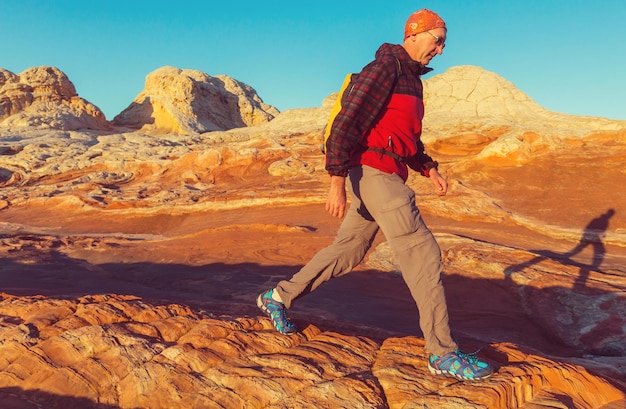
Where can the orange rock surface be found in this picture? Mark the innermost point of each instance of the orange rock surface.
(131, 264)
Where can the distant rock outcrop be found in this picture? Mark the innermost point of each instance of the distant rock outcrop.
(190, 101)
(483, 106)
(45, 98)
(473, 95)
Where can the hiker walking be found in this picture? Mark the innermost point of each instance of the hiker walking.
(373, 141)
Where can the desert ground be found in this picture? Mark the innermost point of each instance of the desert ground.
(132, 257)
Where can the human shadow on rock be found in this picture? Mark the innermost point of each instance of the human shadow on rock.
(592, 237)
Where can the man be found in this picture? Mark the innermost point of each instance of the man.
(373, 140)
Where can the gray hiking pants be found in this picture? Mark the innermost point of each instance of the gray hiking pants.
(381, 200)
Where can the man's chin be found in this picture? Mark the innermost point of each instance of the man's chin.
(426, 60)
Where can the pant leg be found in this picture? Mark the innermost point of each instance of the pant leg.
(392, 204)
(353, 240)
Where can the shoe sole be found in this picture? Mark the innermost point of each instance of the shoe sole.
(440, 372)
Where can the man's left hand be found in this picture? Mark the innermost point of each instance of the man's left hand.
(441, 185)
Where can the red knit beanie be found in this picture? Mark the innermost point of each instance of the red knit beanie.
(421, 21)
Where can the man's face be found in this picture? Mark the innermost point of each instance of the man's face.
(427, 45)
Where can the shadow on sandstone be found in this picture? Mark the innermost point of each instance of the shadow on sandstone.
(17, 398)
(365, 302)
(592, 237)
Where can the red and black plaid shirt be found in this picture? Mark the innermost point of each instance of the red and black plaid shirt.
(362, 108)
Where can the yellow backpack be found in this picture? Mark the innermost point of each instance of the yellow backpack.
(344, 91)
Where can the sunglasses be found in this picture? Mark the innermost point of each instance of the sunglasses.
(441, 42)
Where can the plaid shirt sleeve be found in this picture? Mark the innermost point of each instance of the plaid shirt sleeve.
(360, 109)
(421, 161)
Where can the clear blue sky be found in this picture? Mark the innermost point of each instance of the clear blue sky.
(567, 55)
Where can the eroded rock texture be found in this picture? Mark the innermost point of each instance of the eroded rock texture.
(45, 98)
(131, 257)
(121, 351)
(190, 101)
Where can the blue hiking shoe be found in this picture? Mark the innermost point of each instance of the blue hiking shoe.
(457, 364)
(277, 313)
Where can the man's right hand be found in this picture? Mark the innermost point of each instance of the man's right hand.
(336, 202)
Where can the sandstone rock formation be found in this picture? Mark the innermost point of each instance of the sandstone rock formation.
(483, 98)
(44, 98)
(469, 98)
(190, 101)
(130, 263)
(169, 355)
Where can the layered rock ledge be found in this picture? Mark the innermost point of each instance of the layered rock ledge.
(132, 253)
